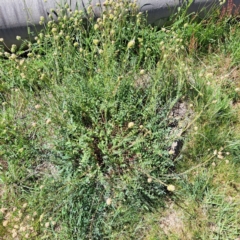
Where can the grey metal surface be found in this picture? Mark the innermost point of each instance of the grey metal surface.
(19, 17)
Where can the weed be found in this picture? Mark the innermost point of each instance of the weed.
(103, 120)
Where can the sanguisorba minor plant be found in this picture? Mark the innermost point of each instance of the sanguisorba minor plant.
(84, 121)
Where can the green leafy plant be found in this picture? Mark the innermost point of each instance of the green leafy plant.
(94, 115)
